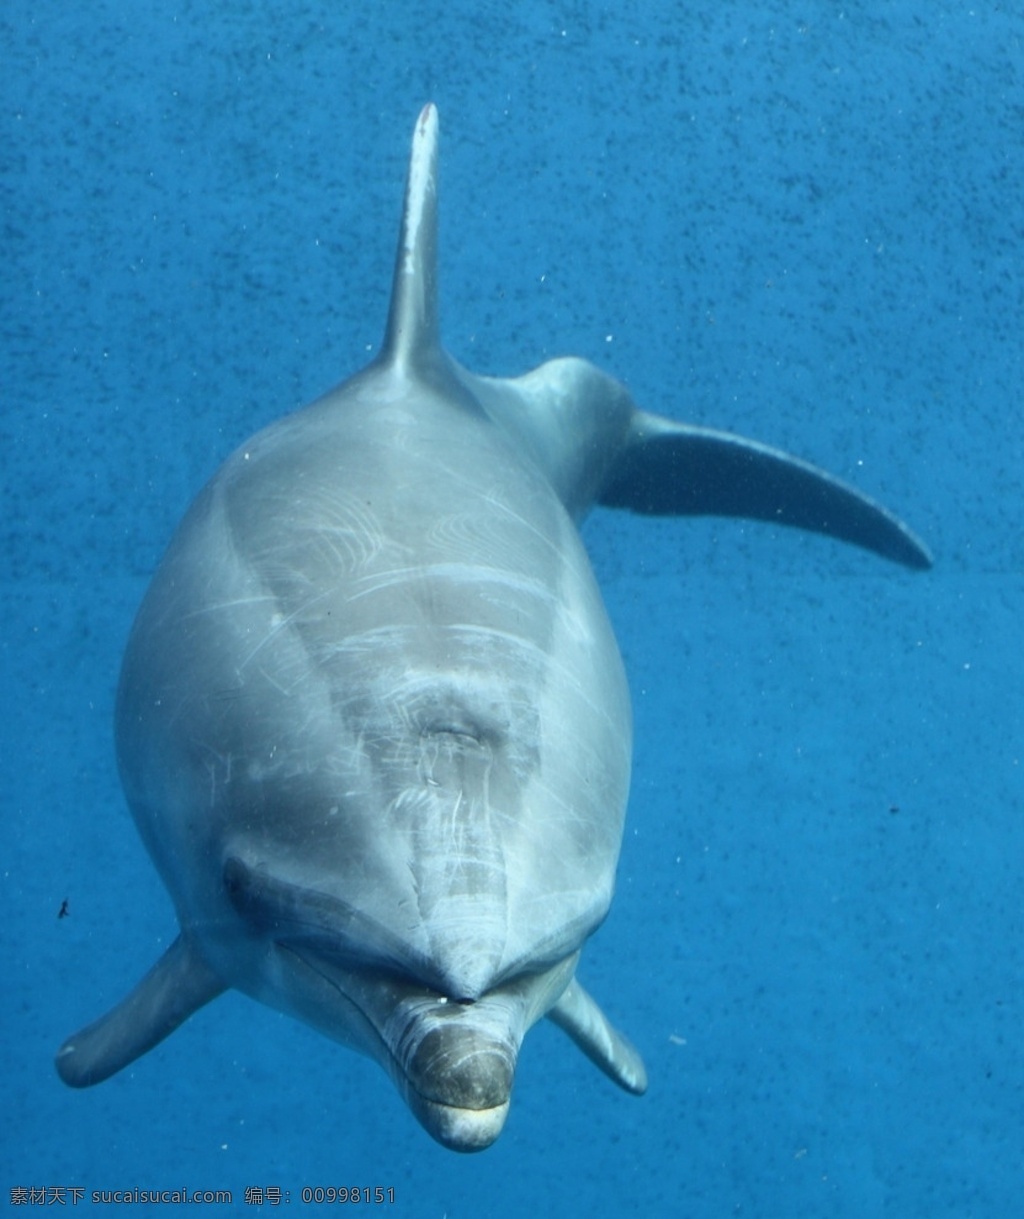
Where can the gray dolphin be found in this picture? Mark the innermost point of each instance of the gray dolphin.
(372, 721)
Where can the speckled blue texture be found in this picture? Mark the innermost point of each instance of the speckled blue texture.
(801, 222)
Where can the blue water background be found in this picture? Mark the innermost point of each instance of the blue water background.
(801, 222)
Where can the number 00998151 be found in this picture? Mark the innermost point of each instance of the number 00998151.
(372, 1194)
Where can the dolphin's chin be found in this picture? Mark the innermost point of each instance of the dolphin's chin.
(460, 1129)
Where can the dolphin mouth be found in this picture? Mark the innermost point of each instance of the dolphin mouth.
(458, 1129)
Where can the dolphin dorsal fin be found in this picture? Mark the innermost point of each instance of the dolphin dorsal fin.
(412, 330)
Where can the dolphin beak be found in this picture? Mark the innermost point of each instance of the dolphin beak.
(454, 1063)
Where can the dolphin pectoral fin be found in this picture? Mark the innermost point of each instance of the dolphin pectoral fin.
(178, 984)
(578, 1014)
(673, 469)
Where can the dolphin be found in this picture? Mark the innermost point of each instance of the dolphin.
(372, 721)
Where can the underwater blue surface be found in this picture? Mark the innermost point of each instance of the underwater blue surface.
(804, 223)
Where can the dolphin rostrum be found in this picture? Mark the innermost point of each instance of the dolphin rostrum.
(372, 721)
